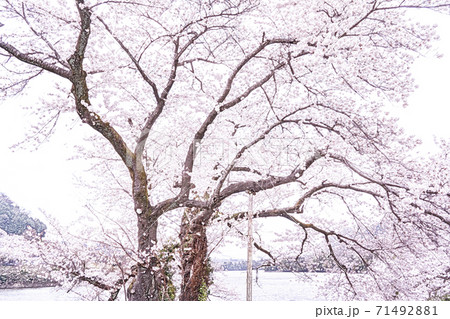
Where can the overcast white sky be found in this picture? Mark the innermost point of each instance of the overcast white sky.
(428, 113)
(44, 179)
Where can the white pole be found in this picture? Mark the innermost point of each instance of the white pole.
(250, 248)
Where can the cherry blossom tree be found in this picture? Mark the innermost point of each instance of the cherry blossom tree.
(197, 103)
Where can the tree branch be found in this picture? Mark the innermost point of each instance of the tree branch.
(189, 160)
(35, 61)
(266, 183)
(81, 94)
(249, 57)
(135, 62)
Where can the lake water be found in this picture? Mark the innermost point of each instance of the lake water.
(270, 286)
(228, 285)
(37, 294)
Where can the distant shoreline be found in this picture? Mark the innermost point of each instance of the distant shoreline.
(16, 278)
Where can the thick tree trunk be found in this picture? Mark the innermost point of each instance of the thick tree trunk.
(147, 283)
(194, 264)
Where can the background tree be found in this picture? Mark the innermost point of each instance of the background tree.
(204, 101)
(13, 219)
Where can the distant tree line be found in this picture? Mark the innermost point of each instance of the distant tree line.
(283, 265)
(321, 263)
(15, 221)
